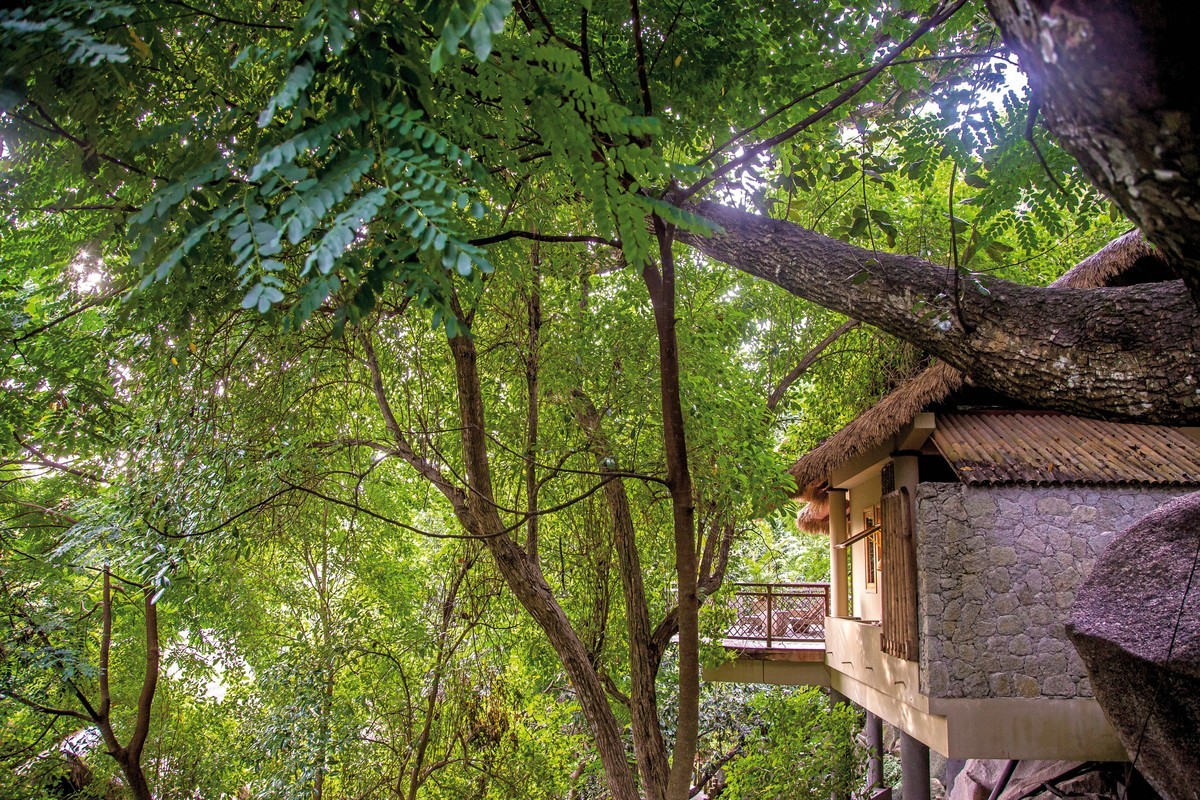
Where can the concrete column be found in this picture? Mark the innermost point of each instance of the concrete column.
(839, 592)
(873, 732)
(914, 768)
(836, 698)
(906, 471)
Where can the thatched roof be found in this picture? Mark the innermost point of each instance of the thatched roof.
(874, 426)
(1123, 261)
(814, 516)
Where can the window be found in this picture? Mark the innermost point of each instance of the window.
(871, 519)
(873, 562)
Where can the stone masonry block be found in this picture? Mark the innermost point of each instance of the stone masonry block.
(998, 570)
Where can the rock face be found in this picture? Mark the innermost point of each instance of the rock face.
(1031, 779)
(980, 776)
(1136, 624)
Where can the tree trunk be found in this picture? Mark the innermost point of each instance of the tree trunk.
(648, 745)
(478, 514)
(477, 511)
(1125, 353)
(128, 757)
(533, 399)
(1116, 81)
(135, 779)
(449, 604)
(661, 287)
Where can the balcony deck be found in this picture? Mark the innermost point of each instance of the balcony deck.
(778, 650)
(779, 621)
(851, 659)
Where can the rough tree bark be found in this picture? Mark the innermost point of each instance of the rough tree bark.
(1125, 353)
(660, 283)
(648, 746)
(1116, 83)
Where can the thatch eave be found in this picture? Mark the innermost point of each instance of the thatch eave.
(1126, 260)
(814, 516)
(874, 426)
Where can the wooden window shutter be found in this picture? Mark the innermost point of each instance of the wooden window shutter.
(899, 559)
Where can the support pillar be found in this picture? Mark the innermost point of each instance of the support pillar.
(914, 768)
(836, 698)
(839, 591)
(873, 733)
(905, 465)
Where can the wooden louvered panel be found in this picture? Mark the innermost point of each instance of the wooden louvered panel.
(899, 576)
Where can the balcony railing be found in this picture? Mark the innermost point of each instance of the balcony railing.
(773, 613)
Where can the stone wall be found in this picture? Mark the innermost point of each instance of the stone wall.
(998, 568)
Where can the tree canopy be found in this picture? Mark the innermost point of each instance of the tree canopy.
(363, 365)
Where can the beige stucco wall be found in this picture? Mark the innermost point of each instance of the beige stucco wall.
(864, 495)
(1022, 728)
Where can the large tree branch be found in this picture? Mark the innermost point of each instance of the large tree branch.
(942, 13)
(717, 546)
(1127, 353)
(664, 631)
(1116, 81)
(45, 709)
(105, 646)
(145, 703)
(809, 359)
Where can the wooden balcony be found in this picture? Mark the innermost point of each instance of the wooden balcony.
(782, 618)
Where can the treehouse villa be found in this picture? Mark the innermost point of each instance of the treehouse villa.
(961, 525)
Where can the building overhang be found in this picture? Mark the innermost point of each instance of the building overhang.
(910, 439)
(855, 665)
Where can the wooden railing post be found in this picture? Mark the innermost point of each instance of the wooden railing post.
(783, 612)
(770, 613)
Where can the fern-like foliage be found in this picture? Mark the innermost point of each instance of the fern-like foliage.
(318, 205)
(70, 28)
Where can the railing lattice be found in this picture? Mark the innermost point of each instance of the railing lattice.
(780, 612)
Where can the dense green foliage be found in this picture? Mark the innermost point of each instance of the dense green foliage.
(800, 749)
(231, 228)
